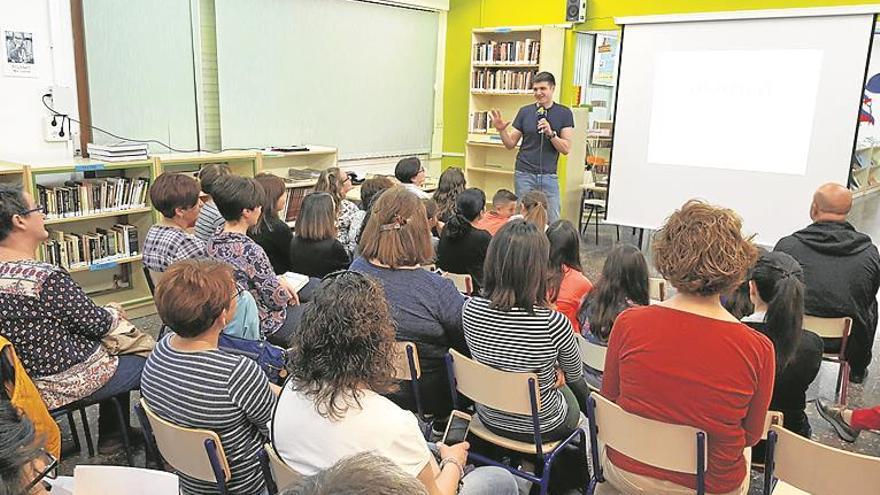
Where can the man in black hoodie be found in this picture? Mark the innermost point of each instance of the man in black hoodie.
(841, 271)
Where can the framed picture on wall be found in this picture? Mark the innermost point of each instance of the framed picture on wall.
(18, 53)
(605, 60)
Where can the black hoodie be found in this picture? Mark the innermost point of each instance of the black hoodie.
(842, 275)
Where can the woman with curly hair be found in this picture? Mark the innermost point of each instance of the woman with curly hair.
(336, 182)
(451, 184)
(332, 406)
(687, 360)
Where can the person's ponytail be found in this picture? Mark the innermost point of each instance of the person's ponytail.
(535, 204)
(457, 227)
(785, 314)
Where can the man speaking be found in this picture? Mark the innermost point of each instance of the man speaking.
(546, 129)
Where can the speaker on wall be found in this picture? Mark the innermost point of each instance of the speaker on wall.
(576, 10)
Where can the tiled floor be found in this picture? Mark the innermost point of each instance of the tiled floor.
(864, 217)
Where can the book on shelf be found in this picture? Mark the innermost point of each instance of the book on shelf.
(118, 152)
(527, 51)
(480, 122)
(293, 202)
(84, 197)
(502, 79)
(69, 250)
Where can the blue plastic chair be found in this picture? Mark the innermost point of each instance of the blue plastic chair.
(681, 448)
(515, 393)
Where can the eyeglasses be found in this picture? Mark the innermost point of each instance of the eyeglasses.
(38, 208)
(238, 291)
(50, 470)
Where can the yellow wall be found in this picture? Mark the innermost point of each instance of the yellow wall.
(465, 15)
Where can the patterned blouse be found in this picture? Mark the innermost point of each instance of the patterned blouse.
(253, 272)
(56, 330)
(164, 245)
(345, 234)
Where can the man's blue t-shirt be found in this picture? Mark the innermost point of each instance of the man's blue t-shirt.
(530, 157)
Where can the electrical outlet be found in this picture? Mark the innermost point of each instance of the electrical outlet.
(50, 132)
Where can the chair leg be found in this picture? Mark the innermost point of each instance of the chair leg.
(618, 232)
(587, 224)
(126, 442)
(843, 378)
(87, 431)
(597, 227)
(73, 431)
(581, 215)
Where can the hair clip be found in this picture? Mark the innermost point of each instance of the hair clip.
(398, 222)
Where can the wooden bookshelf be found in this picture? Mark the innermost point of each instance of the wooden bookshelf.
(488, 164)
(114, 279)
(242, 163)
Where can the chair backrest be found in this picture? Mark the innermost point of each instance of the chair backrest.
(671, 447)
(184, 448)
(772, 418)
(283, 474)
(402, 369)
(828, 328)
(592, 355)
(657, 289)
(822, 470)
(502, 390)
(108, 480)
(463, 283)
(154, 277)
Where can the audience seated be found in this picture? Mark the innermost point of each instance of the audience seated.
(411, 174)
(332, 407)
(24, 464)
(534, 209)
(337, 183)
(503, 207)
(189, 382)
(841, 272)
(777, 291)
(210, 220)
(462, 247)
(687, 361)
(511, 328)
(176, 197)
(54, 326)
(568, 285)
(369, 189)
(240, 200)
(848, 423)
(270, 232)
(360, 474)
(426, 307)
(450, 185)
(17, 387)
(315, 250)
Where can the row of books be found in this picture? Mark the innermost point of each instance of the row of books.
(79, 250)
(90, 196)
(118, 152)
(481, 123)
(514, 52)
(502, 80)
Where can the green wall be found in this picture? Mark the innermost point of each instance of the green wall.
(465, 15)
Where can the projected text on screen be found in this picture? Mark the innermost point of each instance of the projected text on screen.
(747, 110)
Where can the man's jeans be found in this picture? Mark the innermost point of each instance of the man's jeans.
(547, 183)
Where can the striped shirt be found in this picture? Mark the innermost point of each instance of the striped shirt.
(216, 391)
(517, 341)
(209, 221)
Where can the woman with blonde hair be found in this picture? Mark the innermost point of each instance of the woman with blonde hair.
(688, 361)
(335, 181)
(425, 306)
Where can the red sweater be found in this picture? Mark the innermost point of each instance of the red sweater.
(574, 287)
(681, 368)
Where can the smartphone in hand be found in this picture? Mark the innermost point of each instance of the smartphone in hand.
(457, 428)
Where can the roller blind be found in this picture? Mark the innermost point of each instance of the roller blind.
(140, 70)
(355, 75)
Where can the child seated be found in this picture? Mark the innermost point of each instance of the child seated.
(503, 207)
